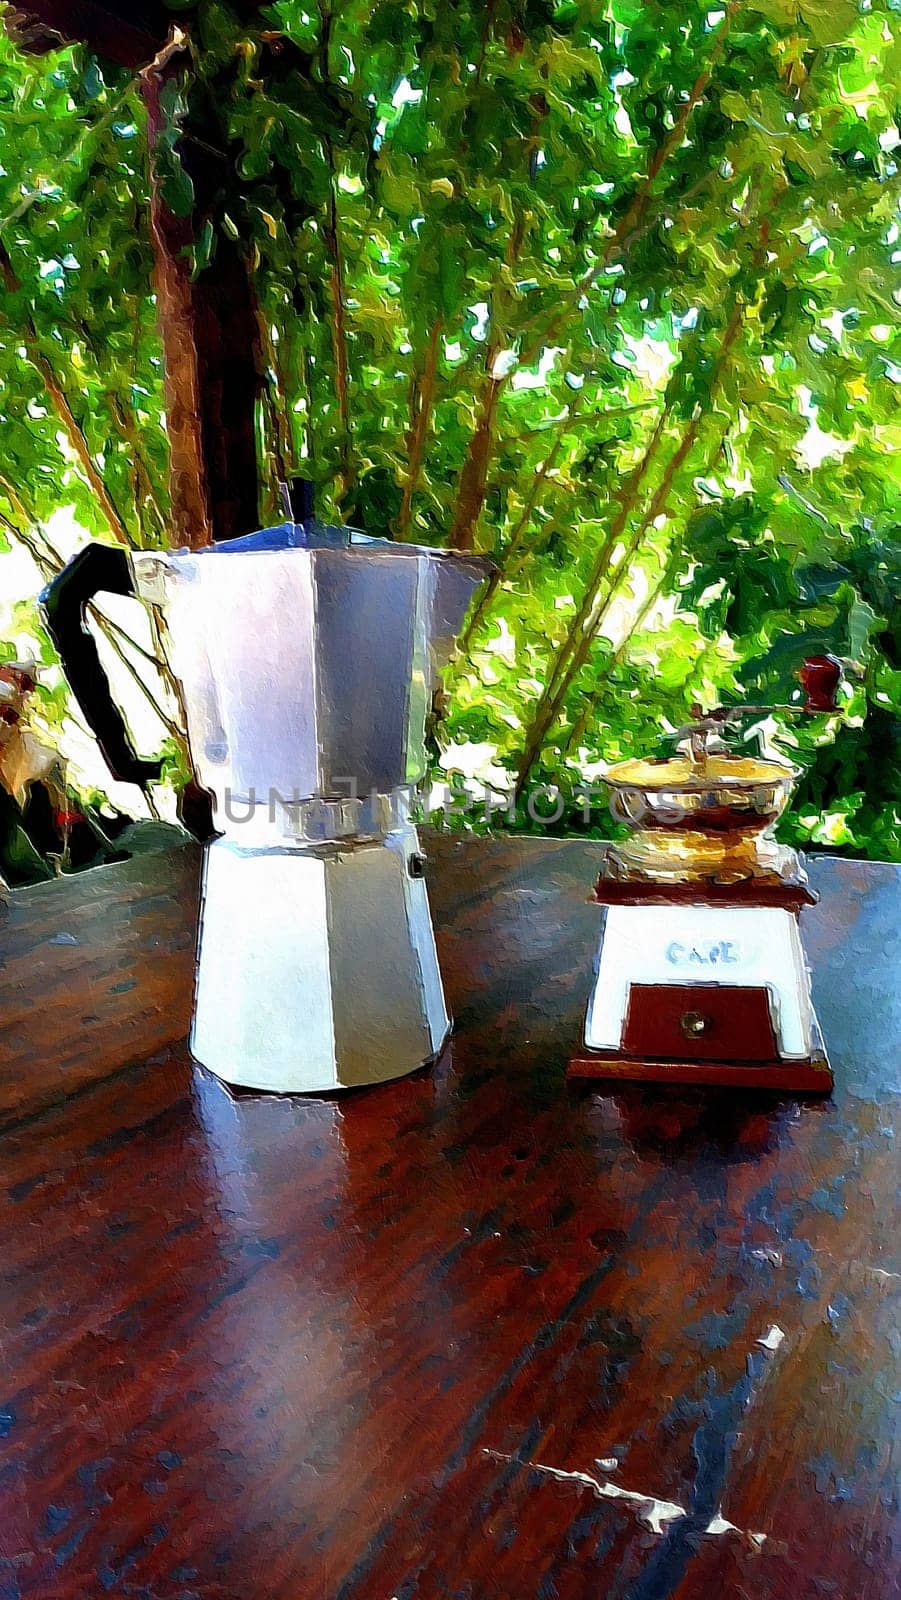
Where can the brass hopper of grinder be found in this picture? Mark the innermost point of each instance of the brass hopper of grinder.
(707, 813)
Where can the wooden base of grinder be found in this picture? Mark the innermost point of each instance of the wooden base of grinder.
(813, 1075)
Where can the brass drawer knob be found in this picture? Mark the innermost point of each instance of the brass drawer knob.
(693, 1024)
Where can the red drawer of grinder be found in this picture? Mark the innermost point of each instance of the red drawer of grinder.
(699, 1022)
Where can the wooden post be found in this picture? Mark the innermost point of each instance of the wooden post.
(128, 33)
(171, 236)
(208, 324)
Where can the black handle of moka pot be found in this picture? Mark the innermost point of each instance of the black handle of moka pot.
(99, 568)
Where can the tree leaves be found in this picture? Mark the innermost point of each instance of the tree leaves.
(495, 247)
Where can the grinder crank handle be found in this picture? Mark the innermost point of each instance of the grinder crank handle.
(99, 567)
(819, 677)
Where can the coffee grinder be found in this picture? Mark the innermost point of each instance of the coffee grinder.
(701, 976)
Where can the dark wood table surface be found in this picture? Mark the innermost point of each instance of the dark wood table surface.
(473, 1335)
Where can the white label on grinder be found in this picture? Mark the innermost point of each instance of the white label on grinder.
(691, 954)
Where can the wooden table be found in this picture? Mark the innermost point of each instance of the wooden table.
(473, 1335)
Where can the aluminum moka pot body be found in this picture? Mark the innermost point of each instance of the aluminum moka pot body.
(307, 658)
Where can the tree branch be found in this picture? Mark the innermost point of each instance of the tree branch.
(473, 477)
(41, 188)
(78, 442)
(473, 482)
(541, 719)
(49, 563)
(339, 322)
(61, 406)
(629, 227)
(422, 396)
(578, 647)
(502, 570)
(676, 552)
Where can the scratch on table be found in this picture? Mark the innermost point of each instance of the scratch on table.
(772, 1339)
(655, 1513)
(773, 1257)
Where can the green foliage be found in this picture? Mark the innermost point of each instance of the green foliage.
(608, 290)
(76, 299)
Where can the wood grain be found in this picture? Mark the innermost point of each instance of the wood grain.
(328, 1349)
(95, 972)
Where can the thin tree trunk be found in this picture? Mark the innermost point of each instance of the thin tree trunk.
(568, 661)
(676, 551)
(512, 546)
(80, 445)
(170, 237)
(156, 659)
(602, 603)
(113, 633)
(608, 545)
(574, 650)
(59, 400)
(303, 365)
(143, 489)
(517, 538)
(141, 479)
(422, 398)
(589, 420)
(15, 500)
(49, 563)
(332, 239)
(274, 391)
(273, 422)
(339, 322)
(582, 634)
(473, 483)
(653, 595)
